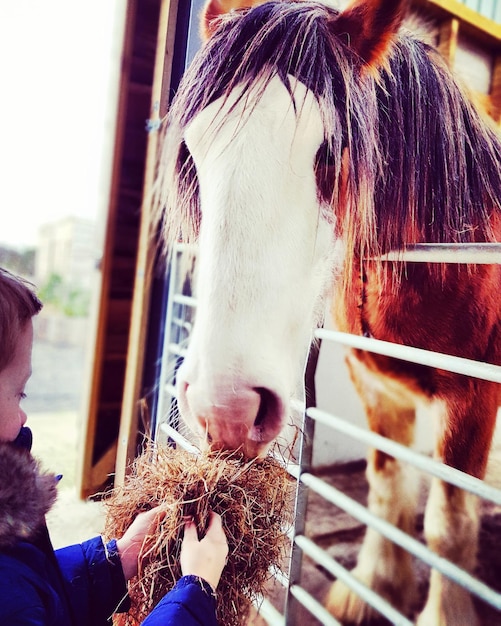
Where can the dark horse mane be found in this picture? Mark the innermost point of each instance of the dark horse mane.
(423, 164)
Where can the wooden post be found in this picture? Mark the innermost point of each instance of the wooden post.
(495, 93)
(448, 40)
(146, 251)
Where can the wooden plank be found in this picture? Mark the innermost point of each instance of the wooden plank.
(486, 30)
(495, 93)
(102, 470)
(448, 39)
(121, 243)
(146, 252)
(85, 483)
(453, 19)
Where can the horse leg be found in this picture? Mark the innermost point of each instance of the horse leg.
(383, 566)
(451, 516)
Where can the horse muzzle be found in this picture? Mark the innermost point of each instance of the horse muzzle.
(233, 416)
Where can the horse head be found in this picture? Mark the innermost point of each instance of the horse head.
(262, 174)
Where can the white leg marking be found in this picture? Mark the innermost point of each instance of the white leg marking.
(451, 529)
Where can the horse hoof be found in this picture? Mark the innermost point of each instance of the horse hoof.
(454, 609)
(345, 605)
(432, 618)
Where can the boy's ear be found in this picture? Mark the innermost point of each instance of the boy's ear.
(370, 26)
(213, 9)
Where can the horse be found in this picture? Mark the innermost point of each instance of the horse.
(304, 143)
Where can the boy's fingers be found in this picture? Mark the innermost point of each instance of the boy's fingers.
(160, 512)
(215, 529)
(156, 515)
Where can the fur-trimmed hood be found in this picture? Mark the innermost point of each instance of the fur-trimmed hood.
(26, 494)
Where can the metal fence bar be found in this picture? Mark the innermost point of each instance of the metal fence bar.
(186, 300)
(446, 473)
(456, 364)
(313, 606)
(165, 366)
(176, 436)
(175, 348)
(462, 253)
(405, 541)
(321, 557)
(171, 390)
(269, 613)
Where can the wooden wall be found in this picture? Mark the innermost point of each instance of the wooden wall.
(120, 254)
(460, 29)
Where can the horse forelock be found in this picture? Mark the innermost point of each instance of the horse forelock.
(422, 164)
(251, 47)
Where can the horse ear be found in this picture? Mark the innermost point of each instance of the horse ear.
(369, 26)
(213, 9)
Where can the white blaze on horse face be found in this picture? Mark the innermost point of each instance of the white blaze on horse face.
(264, 260)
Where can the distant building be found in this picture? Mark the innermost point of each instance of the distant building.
(18, 262)
(67, 248)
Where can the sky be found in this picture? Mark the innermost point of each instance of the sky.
(56, 70)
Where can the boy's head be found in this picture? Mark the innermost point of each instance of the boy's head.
(18, 304)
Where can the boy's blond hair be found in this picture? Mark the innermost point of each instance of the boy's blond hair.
(18, 304)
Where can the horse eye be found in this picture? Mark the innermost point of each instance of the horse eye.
(183, 155)
(324, 172)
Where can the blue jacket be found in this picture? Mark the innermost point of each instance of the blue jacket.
(74, 586)
(190, 603)
(87, 590)
(81, 585)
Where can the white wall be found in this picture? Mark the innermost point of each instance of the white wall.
(336, 394)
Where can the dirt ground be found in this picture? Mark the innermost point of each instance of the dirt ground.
(53, 409)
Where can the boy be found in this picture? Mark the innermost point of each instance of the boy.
(81, 585)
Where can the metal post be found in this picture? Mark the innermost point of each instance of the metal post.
(305, 459)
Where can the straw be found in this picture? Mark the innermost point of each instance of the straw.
(254, 499)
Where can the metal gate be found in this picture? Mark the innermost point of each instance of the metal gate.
(180, 315)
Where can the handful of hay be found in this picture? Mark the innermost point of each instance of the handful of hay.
(254, 499)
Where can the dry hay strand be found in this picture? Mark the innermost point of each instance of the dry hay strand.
(254, 499)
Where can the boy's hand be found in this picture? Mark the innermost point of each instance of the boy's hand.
(205, 558)
(130, 544)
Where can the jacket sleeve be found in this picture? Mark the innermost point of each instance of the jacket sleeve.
(93, 580)
(190, 603)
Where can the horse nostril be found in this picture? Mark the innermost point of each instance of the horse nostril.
(267, 399)
(268, 421)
